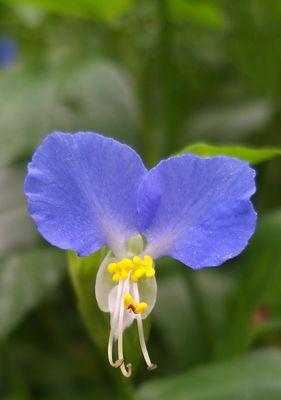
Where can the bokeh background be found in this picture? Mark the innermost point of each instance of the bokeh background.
(159, 75)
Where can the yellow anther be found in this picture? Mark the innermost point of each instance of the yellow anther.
(132, 305)
(140, 308)
(127, 300)
(137, 260)
(150, 272)
(122, 264)
(136, 268)
(111, 267)
(116, 277)
(148, 262)
(124, 274)
(139, 272)
(127, 263)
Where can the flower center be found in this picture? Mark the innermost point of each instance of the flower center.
(127, 306)
(136, 268)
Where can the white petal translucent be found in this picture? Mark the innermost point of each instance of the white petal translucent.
(147, 293)
(104, 284)
(114, 307)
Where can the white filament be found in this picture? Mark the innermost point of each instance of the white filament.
(125, 369)
(117, 326)
(118, 304)
(144, 350)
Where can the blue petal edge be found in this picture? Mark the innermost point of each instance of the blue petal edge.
(81, 190)
(201, 212)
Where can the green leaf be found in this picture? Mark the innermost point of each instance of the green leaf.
(199, 12)
(25, 278)
(256, 376)
(97, 9)
(83, 273)
(252, 155)
(258, 285)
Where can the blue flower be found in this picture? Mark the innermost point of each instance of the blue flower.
(8, 52)
(86, 191)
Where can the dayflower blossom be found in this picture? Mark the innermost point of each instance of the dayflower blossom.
(86, 191)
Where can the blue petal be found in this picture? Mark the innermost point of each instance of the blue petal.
(82, 191)
(200, 210)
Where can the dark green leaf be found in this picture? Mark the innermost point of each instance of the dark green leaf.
(252, 155)
(256, 376)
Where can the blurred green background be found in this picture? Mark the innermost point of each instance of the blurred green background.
(159, 75)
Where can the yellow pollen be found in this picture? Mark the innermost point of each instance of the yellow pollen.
(135, 268)
(137, 261)
(148, 261)
(141, 307)
(124, 274)
(116, 277)
(150, 272)
(127, 263)
(139, 272)
(127, 299)
(134, 278)
(131, 304)
(111, 267)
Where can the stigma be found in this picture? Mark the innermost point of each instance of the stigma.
(128, 306)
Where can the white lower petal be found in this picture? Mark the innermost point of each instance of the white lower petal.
(114, 302)
(147, 288)
(104, 284)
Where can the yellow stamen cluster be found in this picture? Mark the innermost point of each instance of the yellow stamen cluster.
(131, 304)
(136, 267)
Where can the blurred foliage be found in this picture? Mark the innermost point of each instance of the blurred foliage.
(25, 278)
(69, 99)
(161, 75)
(256, 302)
(255, 376)
(85, 8)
